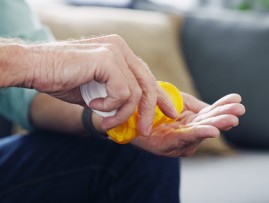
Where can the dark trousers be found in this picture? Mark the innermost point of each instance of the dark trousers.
(48, 167)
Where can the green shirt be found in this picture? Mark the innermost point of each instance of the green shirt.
(18, 21)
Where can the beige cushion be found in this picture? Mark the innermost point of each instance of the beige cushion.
(151, 35)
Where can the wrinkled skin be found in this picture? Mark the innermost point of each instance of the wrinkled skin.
(60, 68)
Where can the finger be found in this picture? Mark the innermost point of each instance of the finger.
(192, 103)
(135, 93)
(146, 110)
(197, 133)
(228, 99)
(127, 79)
(186, 134)
(146, 81)
(164, 103)
(236, 109)
(227, 129)
(148, 101)
(120, 117)
(173, 142)
(221, 122)
(118, 93)
(190, 137)
(124, 110)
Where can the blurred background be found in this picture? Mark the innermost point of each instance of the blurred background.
(259, 5)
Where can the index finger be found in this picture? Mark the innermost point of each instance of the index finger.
(145, 79)
(228, 99)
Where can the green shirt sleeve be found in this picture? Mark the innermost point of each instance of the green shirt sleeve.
(15, 104)
(18, 21)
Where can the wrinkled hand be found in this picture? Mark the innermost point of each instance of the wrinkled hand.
(64, 66)
(197, 122)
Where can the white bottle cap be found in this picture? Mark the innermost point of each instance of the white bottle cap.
(93, 90)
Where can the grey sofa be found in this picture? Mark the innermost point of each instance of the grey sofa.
(229, 52)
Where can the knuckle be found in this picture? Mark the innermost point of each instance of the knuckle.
(137, 93)
(108, 54)
(111, 47)
(119, 118)
(124, 94)
(114, 49)
(110, 105)
(117, 38)
(118, 41)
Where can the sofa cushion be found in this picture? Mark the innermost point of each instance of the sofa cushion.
(151, 35)
(228, 52)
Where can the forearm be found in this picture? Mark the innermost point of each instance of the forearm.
(15, 104)
(53, 114)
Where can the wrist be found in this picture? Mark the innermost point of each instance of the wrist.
(96, 122)
(14, 59)
(29, 62)
(92, 125)
(49, 113)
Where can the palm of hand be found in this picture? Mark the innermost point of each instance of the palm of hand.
(197, 122)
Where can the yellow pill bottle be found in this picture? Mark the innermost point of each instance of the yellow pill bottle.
(127, 131)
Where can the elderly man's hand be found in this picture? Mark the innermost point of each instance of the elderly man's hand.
(60, 68)
(197, 122)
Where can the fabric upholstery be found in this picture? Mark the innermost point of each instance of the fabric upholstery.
(227, 55)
